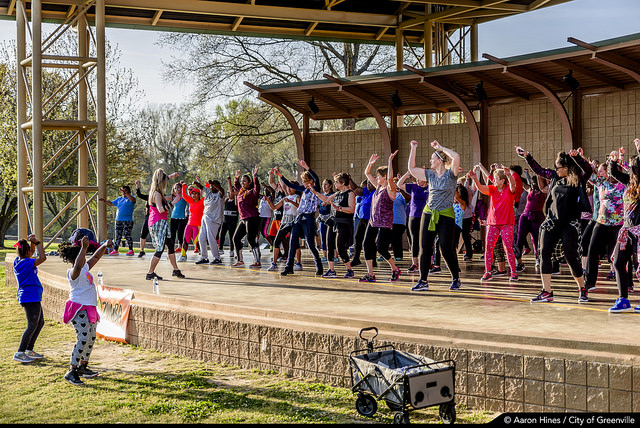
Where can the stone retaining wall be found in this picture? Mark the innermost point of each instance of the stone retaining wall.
(493, 381)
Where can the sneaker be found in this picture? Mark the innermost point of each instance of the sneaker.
(556, 273)
(330, 274)
(584, 296)
(239, 263)
(215, 262)
(637, 309)
(380, 258)
(520, 267)
(319, 271)
(256, 265)
(621, 305)
(514, 277)
(73, 377)
(177, 273)
(455, 285)
(86, 372)
(202, 261)
(150, 276)
(286, 271)
(182, 259)
(487, 276)
(130, 253)
(420, 286)
(273, 267)
(630, 287)
(356, 262)
(114, 253)
(34, 355)
(435, 269)
(543, 297)
(500, 273)
(368, 278)
(336, 260)
(21, 357)
(141, 253)
(323, 260)
(413, 268)
(467, 259)
(537, 264)
(221, 252)
(611, 276)
(395, 275)
(526, 251)
(589, 287)
(196, 250)
(350, 273)
(298, 266)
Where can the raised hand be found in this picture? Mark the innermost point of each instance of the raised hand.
(414, 143)
(521, 152)
(254, 171)
(85, 242)
(436, 145)
(373, 159)
(137, 184)
(238, 173)
(614, 156)
(109, 243)
(622, 151)
(637, 143)
(303, 164)
(393, 155)
(580, 152)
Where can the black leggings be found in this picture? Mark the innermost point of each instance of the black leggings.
(414, 235)
(251, 228)
(623, 265)
(228, 227)
(144, 232)
(359, 238)
(396, 240)
(281, 237)
(601, 239)
(35, 322)
(377, 239)
(570, 237)
(177, 226)
(467, 228)
(170, 244)
(340, 240)
(446, 232)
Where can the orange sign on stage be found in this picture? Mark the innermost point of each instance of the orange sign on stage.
(114, 305)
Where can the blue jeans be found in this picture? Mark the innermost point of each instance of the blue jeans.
(306, 226)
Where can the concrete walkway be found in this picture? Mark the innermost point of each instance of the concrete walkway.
(494, 315)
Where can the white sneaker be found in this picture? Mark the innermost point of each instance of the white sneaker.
(273, 267)
(298, 266)
(182, 259)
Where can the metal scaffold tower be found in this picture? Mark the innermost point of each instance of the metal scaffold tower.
(85, 135)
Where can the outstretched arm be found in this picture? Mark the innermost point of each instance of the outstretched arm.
(418, 173)
(455, 164)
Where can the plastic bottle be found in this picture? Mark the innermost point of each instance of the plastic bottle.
(156, 288)
(100, 278)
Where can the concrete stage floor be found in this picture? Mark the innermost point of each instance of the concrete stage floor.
(494, 315)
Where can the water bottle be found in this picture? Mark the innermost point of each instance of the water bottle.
(156, 288)
(100, 278)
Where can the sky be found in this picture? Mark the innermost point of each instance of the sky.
(544, 29)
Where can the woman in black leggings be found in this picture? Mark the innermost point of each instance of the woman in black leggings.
(247, 194)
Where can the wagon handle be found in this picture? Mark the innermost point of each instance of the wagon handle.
(369, 341)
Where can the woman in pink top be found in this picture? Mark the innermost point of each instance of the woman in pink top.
(501, 218)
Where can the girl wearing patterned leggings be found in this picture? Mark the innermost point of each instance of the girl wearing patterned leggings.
(501, 218)
(81, 309)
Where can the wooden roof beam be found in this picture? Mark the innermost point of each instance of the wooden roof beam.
(156, 17)
(610, 59)
(449, 13)
(349, 87)
(12, 5)
(473, 4)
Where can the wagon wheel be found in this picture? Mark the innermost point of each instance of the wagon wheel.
(401, 418)
(393, 405)
(366, 405)
(447, 413)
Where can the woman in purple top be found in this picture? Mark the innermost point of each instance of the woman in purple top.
(247, 195)
(419, 193)
(378, 234)
(533, 215)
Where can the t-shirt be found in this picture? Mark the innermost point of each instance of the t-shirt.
(213, 206)
(419, 196)
(399, 209)
(264, 209)
(29, 286)
(501, 207)
(83, 290)
(125, 208)
(441, 189)
(290, 211)
(365, 204)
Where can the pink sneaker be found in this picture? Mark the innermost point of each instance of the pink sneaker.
(130, 253)
(114, 253)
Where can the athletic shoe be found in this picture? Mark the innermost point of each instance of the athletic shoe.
(330, 274)
(255, 265)
(611, 276)
(380, 258)
(34, 355)
(150, 276)
(398, 259)
(514, 277)
(520, 267)
(537, 264)
(298, 266)
(455, 285)
(368, 278)
(202, 261)
(487, 276)
(556, 273)
(182, 259)
(221, 252)
(584, 295)
(589, 287)
(141, 253)
(637, 309)
(420, 286)
(467, 259)
(286, 271)
(21, 357)
(413, 268)
(543, 297)
(630, 287)
(273, 267)
(178, 274)
(395, 275)
(435, 269)
(130, 253)
(323, 260)
(239, 263)
(114, 253)
(215, 262)
(350, 273)
(73, 377)
(499, 273)
(526, 251)
(196, 250)
(621, 305)
(86, 372)
(319, 271)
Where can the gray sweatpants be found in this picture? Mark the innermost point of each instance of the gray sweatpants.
(86, 336)
(208, 233)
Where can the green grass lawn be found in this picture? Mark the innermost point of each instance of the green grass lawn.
(138, 385)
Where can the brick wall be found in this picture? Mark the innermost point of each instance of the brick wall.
(485, 379)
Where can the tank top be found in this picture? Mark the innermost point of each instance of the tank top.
(230, 210)
(155, 215)
(381, 209)
(342, 200)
